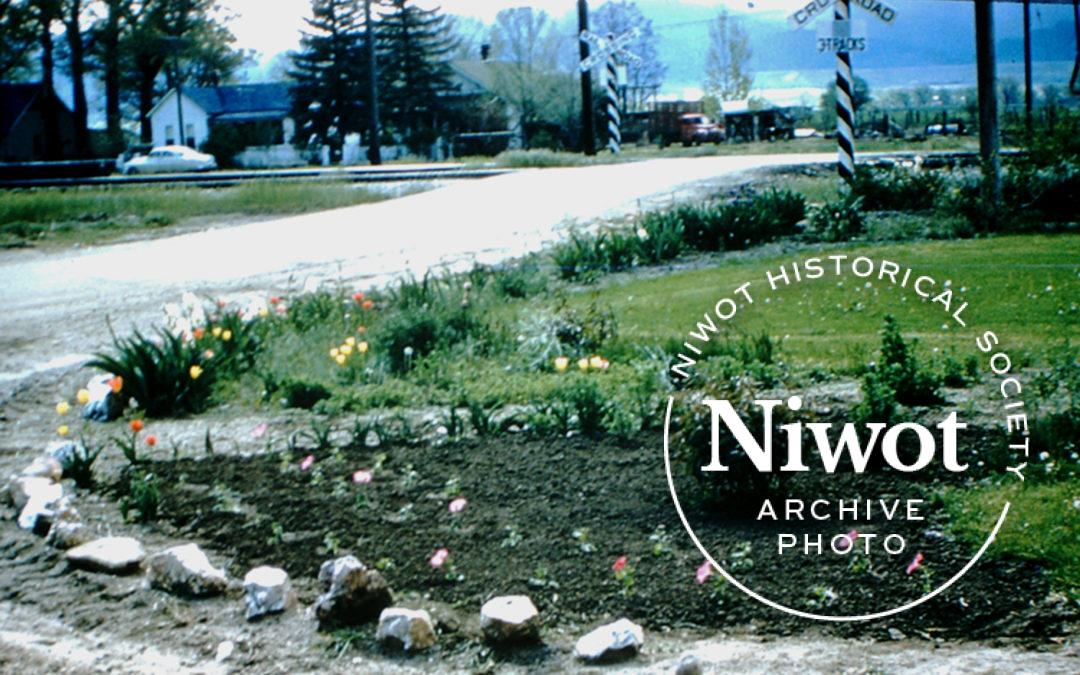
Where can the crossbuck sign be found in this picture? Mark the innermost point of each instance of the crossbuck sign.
(842, 42)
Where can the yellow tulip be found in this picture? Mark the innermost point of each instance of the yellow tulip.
(226, 335)
(351, 341)
(583, 364)
(62, 430)
(346, 349)
(264, 312)
(62, 408)
(216, 331)
(340, 358)
(561, 364)
(362, 347)
(195, 372)
(334, 353)
(83, 396)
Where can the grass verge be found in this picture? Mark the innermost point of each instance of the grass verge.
(95, 214)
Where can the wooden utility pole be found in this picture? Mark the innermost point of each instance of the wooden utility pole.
(374, 149)
(1028, 93)
(588, 133)
(989, 148)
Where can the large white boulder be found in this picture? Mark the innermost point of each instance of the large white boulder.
(410, 629)
(267, 590)
(510, 619)
(611, 642)
(185, 570)
(112, 555)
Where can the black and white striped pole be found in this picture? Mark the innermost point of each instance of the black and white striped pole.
(607, 51)
(845, 107)
(614, 118)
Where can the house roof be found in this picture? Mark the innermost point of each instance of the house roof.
(15, 99)
(240, 101)
(241, 98)
(476, 76)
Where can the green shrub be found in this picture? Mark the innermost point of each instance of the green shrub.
(80, 466)
(692, 446)
(582, 395)
(878, 402)
(158, 373)
(143, 499)
(839, 219)
(901, 371)
(301, 393)
(661, 238)
(896, 188)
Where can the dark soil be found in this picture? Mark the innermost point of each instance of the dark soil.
(526, 500)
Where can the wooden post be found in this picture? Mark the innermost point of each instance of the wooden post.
(989, 148)
(374, 146)
(1028, 93)
(588, 133)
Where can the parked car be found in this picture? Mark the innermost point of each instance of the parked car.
(696, 128)
(168, 159)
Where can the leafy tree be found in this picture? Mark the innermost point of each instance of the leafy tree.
(727, 74)
(522, 44)
(330, 73)
(860, 96)
(17, 37)
(45, 13)
(72, 14)
(620, 16)
(180, 39)
(414, 73)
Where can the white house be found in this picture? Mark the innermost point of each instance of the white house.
(257, 116)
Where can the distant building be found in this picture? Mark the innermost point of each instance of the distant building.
(22, 124)
(489, 123)
(251, 119)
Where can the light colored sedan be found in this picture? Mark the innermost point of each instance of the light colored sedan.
(168, 159)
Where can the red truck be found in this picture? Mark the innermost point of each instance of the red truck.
(684, 122)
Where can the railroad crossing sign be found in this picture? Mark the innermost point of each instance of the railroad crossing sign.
(608, 50)
(842, 41)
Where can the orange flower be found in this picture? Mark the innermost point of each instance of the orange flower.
(358, 297)
(361, 329)
(116, 384)
(199, 332)
(136, 425)
(151, 440)
(368, 304)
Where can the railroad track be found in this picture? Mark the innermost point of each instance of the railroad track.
(224, 178)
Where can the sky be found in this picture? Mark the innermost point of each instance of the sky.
(276, 31)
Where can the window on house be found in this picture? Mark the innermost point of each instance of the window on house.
(189, 135)
(170, 136)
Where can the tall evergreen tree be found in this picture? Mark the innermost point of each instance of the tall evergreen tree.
(330, 73)
(415, 46)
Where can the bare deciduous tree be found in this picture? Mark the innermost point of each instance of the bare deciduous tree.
(727, 65)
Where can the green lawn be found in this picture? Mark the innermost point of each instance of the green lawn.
(93, 214)
(1041, 524)
(1025, 288)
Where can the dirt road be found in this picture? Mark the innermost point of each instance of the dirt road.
(54, 305)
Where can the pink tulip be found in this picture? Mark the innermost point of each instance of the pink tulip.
(259, 431)
(458, 505)
(704, 572)
(852, 536)
(439, 559)
(915, 563)
(362, 477)
(306, 463)
(619, 565)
